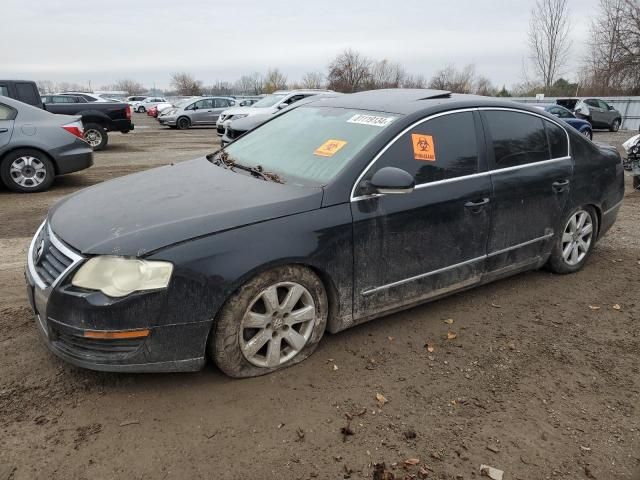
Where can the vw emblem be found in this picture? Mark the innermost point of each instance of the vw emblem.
(39, 251)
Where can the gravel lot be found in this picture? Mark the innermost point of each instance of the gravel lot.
(542, 380)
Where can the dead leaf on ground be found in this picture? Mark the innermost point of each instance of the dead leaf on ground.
(390, 339)
(335, 367)
(451, 335)
(495, 305)
(412, 461)
(449, 321)
(381, 399)
(594, 307)
(617, 307)
(430, 348)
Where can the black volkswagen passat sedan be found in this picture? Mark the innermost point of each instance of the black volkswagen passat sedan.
(325, 217)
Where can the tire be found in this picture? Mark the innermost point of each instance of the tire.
(636, 182)
(588, 134)
(96, 136)
(560, 262)
(27, 171)
(243, 351)
(615, 125)
(141, 109)
(183, 123)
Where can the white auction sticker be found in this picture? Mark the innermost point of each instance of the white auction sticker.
(372, 120)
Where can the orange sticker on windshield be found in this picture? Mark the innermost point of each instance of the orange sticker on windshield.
(330, 148)
(424, 147)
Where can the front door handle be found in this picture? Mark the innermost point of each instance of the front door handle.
(560, 186)
(476, 205)
(3, 130)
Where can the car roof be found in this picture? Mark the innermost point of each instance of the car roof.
(407, 101)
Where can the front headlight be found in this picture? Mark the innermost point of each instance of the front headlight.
(118, 276)
(236, 117)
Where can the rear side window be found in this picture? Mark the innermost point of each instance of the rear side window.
(7, 113)
(27, 93)
(557, 140)
(517, 138)
(4, 90)
(438, 149)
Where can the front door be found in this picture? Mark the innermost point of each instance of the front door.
(413, 246)
(531, 173)
(203, 112)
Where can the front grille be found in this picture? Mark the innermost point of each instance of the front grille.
(231, 133)
(220, 129)
(94, 348)
(50, 258)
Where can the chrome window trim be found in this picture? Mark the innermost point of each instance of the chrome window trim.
(353, 198)
(450, 267)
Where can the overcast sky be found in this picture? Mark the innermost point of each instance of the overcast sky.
(147, 40)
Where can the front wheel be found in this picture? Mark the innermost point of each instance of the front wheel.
(183, 123)
(588, 134)
(96, 136)
(636, 183)
(615, 126)
(26, 171)
(574, 245)
(274, 321)
(141, 109)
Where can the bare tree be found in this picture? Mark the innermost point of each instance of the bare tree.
(549, 42)
(414, 81)
(46, 86)
(386, 74)
(312, 80)
(185, 84)
(349, 72)
(483, 86)
(454, 80)
(130, 86)
(274, 80)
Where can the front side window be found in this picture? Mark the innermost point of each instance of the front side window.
(269, 100)
(309, 146)
(517, 138)
(439, 149)
(603, 105)
(208, 103)
(592, 103)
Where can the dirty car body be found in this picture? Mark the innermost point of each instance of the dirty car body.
(488, 186)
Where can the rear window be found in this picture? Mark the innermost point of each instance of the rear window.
(309, 145)
(6, 112)
(4, 90)
(27, 93)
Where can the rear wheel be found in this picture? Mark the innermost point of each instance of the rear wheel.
(141, 109)
(96, 136)
(27, 170)
(183, 123)
(274, 321)
(636, 183)
(574, 245)
(615, 125)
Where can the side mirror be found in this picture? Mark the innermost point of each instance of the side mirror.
(556, 115)
(392, 180)
(282, 105)
(610, 107)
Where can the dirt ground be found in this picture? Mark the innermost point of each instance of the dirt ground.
(542, 380)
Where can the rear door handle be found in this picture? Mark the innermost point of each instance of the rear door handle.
(477, 205)
(3, 130)
(560, 186)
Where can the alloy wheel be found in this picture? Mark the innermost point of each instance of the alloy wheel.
(577, 237)
(277, 325)
(93, 137)
(27, 171)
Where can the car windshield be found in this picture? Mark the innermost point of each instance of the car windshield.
(184, 102)
(269, 100)
(309, 145)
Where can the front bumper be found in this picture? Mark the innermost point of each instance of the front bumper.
(170, 121)
(64, 313)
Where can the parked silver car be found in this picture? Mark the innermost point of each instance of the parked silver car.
(595, 111)
(195, 111)
(36, 145)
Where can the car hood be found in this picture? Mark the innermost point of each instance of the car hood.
(249, 123)
(140, 213)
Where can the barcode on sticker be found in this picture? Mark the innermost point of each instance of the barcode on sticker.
(372, 120)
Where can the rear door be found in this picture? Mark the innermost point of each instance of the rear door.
(413, 246)
(531, 173)
(7, 118)
(608, 114)
(597, 114)
(219, 106)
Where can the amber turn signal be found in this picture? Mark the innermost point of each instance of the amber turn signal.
(110, 335)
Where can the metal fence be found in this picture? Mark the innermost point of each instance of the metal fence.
(629, 107)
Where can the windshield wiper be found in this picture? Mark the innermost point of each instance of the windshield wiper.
(222, 158)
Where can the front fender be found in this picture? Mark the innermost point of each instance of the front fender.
(211, 268)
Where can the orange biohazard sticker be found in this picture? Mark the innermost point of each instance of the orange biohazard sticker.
(329, 148)
(424, 148)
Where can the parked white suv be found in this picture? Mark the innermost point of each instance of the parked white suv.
(147, 103)
(268, 104)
